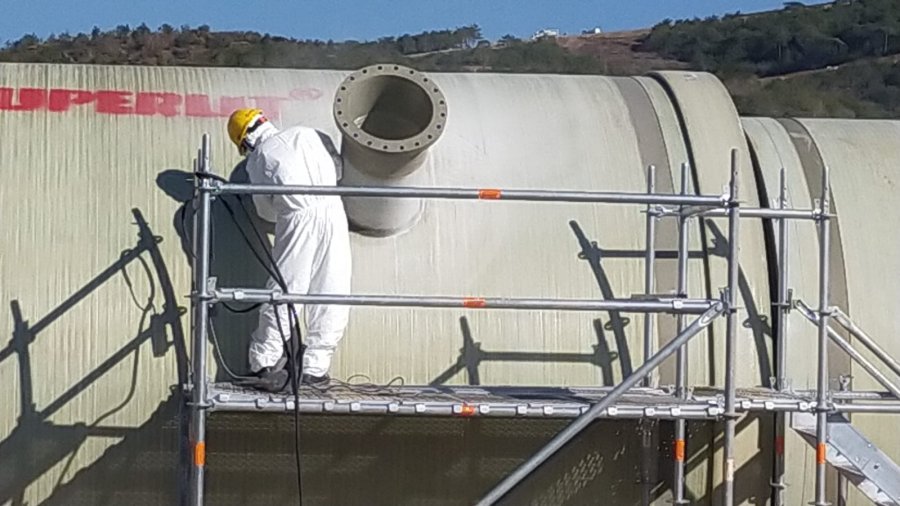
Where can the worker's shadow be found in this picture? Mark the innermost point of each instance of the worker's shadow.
(756, 321)
(602, 356)
(232, 261)
(47, 435)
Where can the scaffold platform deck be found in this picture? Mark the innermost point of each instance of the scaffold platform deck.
(499, 401)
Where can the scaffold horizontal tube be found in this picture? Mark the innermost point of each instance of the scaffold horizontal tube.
(854, 395)
(748, 212)
(596, 197)
(686, 306)
(868, 408)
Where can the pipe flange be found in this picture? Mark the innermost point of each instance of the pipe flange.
(360, 90)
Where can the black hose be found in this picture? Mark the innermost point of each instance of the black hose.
(293, 320)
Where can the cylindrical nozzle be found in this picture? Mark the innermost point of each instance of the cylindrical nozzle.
(389, 116)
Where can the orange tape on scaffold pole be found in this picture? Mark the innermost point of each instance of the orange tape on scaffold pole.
(200, 453)
(474, 303)
(489, 194)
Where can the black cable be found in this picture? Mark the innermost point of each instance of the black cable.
(295, 387)
(255, 229)
(367, 388)
(273, 270)
(210, 175)
(234, 218)
(218, 351)
(275, 273)
(296, 375)
(293, 323)
(244, 310)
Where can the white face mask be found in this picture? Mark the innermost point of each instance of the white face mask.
(258, 133)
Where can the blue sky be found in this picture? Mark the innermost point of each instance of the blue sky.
(357, 19)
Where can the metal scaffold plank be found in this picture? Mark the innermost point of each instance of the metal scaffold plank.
(502, 402)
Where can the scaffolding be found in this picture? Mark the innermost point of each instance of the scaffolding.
(634, 397)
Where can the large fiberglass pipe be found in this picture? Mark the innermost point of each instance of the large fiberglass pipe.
(389, 115)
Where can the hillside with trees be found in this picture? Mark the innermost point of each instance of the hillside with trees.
(460, 49)
(838, 59)
(202, 47)
(791, 40)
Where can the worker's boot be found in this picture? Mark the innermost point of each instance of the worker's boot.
(315, 381)
(269, 379)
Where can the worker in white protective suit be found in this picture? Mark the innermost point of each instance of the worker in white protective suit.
(312, 242)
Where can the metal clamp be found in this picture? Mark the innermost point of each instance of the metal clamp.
(826, 407)
(659, 211)
(725, 297)
(214, 186)
(788, 304)
(200, 405)
(196, 297)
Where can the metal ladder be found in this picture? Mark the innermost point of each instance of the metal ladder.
(855, 457)
(851, 453)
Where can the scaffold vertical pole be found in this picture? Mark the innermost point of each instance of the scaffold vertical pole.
(824, 312)
(734, 249)
(843, 485)
(202, 201)
(650, 270)
(648, 426)
(783, 310)
(681, 359)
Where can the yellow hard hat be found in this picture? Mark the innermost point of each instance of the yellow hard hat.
(239, 126)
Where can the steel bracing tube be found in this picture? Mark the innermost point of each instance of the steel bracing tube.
(595, 197)
(730, 414)
(843, 488)
(582, 422)
(848, 348)
(783, 310)
(648, 452)
(868, 408)
(754, 212)
(851, 395)
(649, 269)
(862, 394)
(202, 219)
(863, 362)
(691, 306)
(822, 380)
(866, 339)
(649, 322)
(681, 358)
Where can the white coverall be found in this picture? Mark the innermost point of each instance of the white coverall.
(312, 245)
